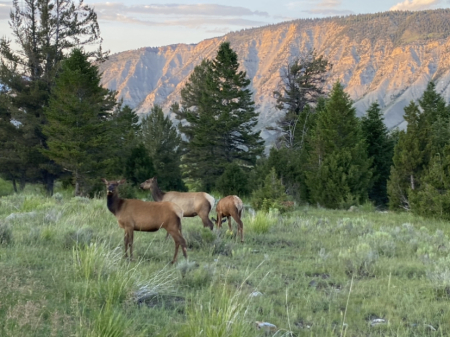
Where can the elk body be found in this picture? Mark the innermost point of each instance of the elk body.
(137, 215)
(230, 206)
(192, 203)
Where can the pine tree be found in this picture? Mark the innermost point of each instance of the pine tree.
(407, 160)
(45, 31)
(380, 147)
(218, 118)
(339, 173)
(163, 144)
(139, 166)
(78, 130)
(425, 136)
(302, 85)
(126, 128)
(433, 198)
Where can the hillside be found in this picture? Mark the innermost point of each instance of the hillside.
(389, 57)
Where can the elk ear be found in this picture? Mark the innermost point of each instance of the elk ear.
(123, 181)
(105, 181)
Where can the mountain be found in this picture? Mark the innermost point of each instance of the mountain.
(386, 57)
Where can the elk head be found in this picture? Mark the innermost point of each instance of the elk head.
(149, 184)
(111, 186)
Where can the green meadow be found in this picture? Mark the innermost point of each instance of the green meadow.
(310, 272)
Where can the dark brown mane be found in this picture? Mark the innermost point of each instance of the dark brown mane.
(157, 194)
(114, 202)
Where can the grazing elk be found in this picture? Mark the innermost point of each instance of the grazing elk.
(230, 206)
(137, 215)
(192, 203)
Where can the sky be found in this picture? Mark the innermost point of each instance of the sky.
(133, 24)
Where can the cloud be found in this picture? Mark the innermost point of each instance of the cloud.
(178, 9)
(185, 15)
(415, 5)
(320, 7)
(5, 9)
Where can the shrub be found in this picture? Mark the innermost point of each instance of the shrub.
(6, 187)
(6, 237)
(261, 222)
(271, 195)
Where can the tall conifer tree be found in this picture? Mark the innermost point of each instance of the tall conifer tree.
(45, 30)
(380, 147)
(163, 145)
(339, 173)
(220, 117)
(425, 137)
(78, 130)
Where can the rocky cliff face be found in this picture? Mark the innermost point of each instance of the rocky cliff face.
(387, 57)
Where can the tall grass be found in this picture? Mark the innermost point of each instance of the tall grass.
(61, 274)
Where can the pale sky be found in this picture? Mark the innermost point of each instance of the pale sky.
(132, 24)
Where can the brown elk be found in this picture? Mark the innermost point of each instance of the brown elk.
(192, 203)
(230, 206)
(137, 215)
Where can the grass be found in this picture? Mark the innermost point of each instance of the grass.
(310, 272)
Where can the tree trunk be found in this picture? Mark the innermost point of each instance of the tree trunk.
(412, 182)
(22, 182)
(50, 184)
(77, 184)
(14, 185)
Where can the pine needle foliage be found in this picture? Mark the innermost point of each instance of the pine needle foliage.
(218, 118)
(77, 130)
(380, 148)
(338, 174)
(163, 145)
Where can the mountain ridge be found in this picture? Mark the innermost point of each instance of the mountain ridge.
(387, 57)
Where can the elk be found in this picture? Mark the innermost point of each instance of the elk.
(192, 203)
(137, 215)
(230, 206)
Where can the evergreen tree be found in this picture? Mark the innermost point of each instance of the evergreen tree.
(13, 164)
(78, 129)
(126, 128)
(289, 166)
(380, 148)
(233, 181)
(302, 85)
(44, 30)
(163, 144)
(139, 166)
(407, 161)
(426, 135)
(219, 118)
(433, 198)
(339, 173)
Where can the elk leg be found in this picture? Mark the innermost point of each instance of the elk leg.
(229, 224)
(125, 241)
(206, 222)
(240, 226)
(219, 221)
(179, 241)
(131, 243)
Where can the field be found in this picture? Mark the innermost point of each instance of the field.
(311, 272)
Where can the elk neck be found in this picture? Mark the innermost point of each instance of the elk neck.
(157, 194)
(114, 203)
